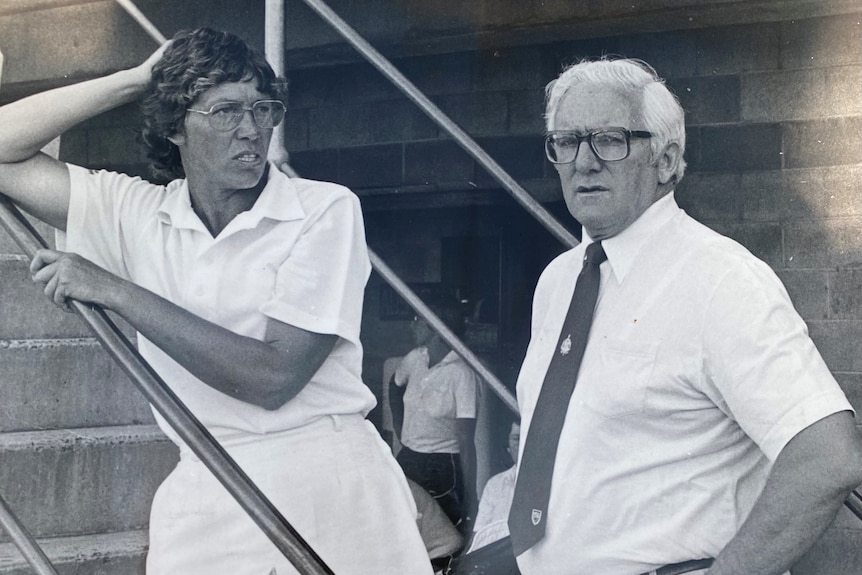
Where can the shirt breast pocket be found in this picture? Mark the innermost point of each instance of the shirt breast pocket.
(616, 382)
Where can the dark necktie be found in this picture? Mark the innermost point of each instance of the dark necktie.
(529, 512)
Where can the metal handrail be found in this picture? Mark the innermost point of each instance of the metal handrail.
(186, 425)
(25, 542)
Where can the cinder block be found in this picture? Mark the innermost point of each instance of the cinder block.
(763, 240)
(570, 52)
(26, 312)
(845, 293)
(823, 243)
(808, 289)
(478, 113)
(340, 126)
(828, 142)
(708, 100)
(316, 164)
(839, 343)
(79, 481)
(817, 42)
(112, 146)
(74, 147)
(732, 49)
(371, 166)
(436, 162)
(296, 129)
(503, 69)
(673, 54)
(527, 111)
(315, 87)
(400, 121)
(362, 82)
(106, 554)
(523, 158)
(802, 94)
(711, 197)
(64, 383)
(802, 194)
(439, 74)
(740, 147)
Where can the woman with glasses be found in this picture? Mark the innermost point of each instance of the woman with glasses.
(245, 287)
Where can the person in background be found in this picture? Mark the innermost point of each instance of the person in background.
(492, 518)
(245, 287)
(684, 410)
(440, 400)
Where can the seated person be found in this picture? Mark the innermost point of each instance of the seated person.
(441, 538)
(492, 519)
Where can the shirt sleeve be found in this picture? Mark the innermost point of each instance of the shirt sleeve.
(98, 223)
(464, 390)
(759, 357)
(321, 284)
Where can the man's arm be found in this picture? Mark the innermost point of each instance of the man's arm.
(265, 373)
(811, 478)
(466, 430)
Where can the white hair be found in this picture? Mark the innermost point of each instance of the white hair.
(660, 110)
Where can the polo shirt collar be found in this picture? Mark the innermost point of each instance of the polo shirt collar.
(623, 248)
(278, 200)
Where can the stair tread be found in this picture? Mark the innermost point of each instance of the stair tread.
(80, 548)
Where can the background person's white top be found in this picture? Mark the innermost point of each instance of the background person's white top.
(297, 256)
(434, 399)
(697, 372)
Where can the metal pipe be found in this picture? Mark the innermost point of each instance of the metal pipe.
(192, 432)
(437, 325)
(274, 51)
(460, 136)
(142, 20)
(25, 542)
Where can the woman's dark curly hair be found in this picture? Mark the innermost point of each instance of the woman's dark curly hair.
(195, 61)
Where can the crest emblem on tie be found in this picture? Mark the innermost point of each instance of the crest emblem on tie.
(566, 346)
(536, 516)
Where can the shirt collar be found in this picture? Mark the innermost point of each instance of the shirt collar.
(278, 201)
(623, 248)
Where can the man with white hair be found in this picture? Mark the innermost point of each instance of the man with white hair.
(704, 424)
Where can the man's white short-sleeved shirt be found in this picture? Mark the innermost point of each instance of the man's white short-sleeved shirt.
(298, 256)
(434, 399)
(697, 373)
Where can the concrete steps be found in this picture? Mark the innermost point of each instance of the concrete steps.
(81, 481)
(104, 554)
(64, 383)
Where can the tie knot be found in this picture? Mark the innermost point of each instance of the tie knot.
(595, 254)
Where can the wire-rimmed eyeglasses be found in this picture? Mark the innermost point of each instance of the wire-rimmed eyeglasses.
(608, 144)
(226, 116)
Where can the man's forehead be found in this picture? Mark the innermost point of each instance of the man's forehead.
(586, 107)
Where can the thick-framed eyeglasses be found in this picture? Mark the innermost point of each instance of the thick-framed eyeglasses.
(608, 144)
(225, 116)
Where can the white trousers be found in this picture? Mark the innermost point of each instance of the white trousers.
(333, 480)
